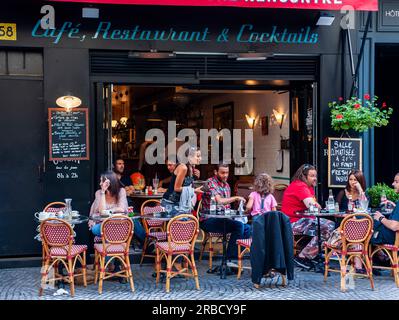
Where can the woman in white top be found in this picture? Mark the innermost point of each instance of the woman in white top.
(111, 196)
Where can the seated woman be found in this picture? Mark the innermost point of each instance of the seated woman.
(111, 196)
(355, 189)
(261, 200)
(299, 196)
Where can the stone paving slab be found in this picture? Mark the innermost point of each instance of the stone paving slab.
(23, 284)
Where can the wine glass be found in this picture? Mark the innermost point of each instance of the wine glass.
(155, 183)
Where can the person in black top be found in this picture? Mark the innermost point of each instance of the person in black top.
(182, 176)
(385, 228)
(355, 188)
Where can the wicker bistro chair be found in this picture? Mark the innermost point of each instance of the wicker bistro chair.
(52, 207)
(182, 232)
(116, 234)
(392, 252)
(57, 240)
(244, 246)
(356, 231)
(154, 229)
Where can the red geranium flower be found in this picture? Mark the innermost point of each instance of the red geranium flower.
(367, 96)
(341, 99)
(357, 106)
(384, 105)
(339, 116)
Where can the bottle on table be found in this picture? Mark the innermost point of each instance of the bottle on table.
(330, 202)
(212, 206)
(350, 204)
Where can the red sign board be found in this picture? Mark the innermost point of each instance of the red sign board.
(364, 5)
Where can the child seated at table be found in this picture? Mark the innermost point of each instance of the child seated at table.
(262, 200)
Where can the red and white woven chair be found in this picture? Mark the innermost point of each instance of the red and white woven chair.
(182, 232)
(211, 238)
(116, 234)
(154, 229)
(391, 250)
(246, 244)
(57, 240)
(52, 207)
(356, 231)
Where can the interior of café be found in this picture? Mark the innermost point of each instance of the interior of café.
(280, 113)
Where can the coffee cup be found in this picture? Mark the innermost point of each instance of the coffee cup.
(106, 212)
(44, 215)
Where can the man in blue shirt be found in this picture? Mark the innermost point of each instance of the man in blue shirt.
(385, 228)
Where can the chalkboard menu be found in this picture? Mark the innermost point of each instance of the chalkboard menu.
(344, 155)
(68, 134)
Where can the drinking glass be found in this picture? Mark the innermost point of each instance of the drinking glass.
(364, 204)
(141, 184)
(155, 183)
(68, 209)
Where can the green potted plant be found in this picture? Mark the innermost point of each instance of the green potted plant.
(359, 114)
(377, 190)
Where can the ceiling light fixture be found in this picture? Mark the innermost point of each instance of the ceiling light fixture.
(153, 54)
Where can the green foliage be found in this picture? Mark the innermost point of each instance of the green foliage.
(359, 115)
(375, 194)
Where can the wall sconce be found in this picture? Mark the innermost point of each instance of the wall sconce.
(123, 121)
(277, 118)
(68, 102)
(251, 121)
(114, 123)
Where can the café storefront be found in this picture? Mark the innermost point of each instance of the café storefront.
(211, 51)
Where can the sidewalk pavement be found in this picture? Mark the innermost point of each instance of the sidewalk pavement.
(23, 284)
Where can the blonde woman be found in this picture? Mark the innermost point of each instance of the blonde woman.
(262, 200)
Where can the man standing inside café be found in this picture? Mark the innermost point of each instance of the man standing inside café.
(119, 168)
(218, 187)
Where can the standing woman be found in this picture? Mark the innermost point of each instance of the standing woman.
(355, 188)
(111, 196)
(182, 176)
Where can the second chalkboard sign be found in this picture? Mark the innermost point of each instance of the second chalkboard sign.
(68, 134)
(344, 155)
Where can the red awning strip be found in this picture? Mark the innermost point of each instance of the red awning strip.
(360, 5)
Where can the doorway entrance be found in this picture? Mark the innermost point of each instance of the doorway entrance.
(280, 112)
(386, 155)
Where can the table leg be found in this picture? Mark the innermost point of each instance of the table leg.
(223, 267)
(319, 266)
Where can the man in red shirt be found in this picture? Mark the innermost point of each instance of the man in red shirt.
(299, 196)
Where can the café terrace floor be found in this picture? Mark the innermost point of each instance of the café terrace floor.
(23, 284)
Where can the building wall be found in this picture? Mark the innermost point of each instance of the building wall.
(266, 147)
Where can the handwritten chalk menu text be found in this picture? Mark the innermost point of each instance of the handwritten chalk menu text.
(68, 134)
(344, 155)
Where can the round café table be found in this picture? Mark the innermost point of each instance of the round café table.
(222, 215)
(142, 195)
(139, 197)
